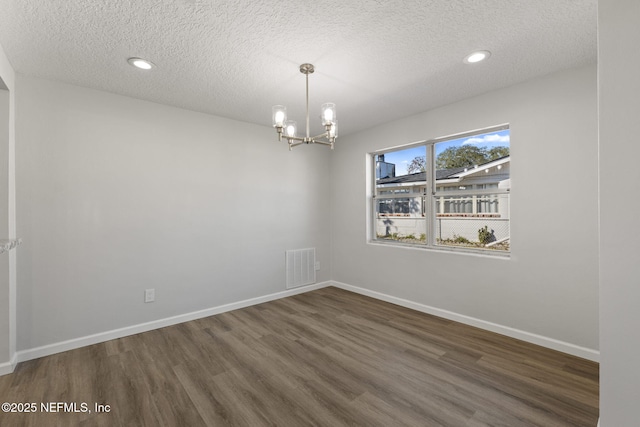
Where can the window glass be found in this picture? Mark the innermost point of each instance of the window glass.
(465, 207)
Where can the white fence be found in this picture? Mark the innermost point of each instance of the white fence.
(445, 227)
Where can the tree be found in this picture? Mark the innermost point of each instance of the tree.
(468, 155)
(497, 152)
(418, 164)
(462, 156)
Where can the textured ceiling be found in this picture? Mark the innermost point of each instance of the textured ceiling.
(378, 60)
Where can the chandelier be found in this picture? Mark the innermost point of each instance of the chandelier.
(289, 127)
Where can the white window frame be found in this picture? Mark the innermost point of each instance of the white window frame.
(429, 196)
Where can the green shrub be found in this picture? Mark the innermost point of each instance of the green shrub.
(460, 239)
(485, 236)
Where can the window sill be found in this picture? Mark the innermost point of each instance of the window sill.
(443, 249)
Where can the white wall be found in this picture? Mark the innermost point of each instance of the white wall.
(619, 109)
(4, 226)
(7, 216)
(549, 287)
(116, 195)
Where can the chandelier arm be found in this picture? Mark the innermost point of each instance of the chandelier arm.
(322, 142)
(322, 135)
(296, 138)
(294, 144)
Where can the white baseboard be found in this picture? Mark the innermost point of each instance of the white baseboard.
(585, 353)
(34, 353)
(8, 367)
(59, 347)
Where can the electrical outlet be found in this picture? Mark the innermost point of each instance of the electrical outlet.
(317, 265)
(149, 295)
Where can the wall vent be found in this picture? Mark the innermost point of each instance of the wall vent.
(300, 265)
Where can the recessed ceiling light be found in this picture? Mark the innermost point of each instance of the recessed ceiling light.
(477, 56)
(143, 64)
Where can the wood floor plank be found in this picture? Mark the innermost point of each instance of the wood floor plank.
(323, 358)
(210, 401)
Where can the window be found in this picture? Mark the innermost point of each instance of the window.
(450, 193)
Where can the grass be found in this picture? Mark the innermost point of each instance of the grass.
(456, 241)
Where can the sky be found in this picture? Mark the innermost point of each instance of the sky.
(402, 158)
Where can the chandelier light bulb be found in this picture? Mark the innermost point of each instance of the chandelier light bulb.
(328, 112)
(279, 115)
(333, 132)
(290, 128)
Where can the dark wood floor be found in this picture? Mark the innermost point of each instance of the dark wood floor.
(324, 358)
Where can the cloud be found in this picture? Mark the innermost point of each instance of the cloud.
(492, 138)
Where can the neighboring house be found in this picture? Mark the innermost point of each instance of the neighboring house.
(464, 202)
